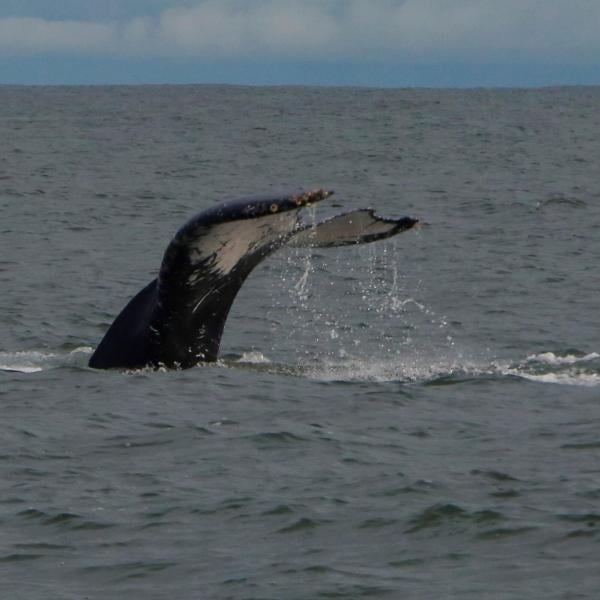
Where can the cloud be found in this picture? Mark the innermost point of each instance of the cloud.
(256, 29)
(379, 30)
(32, 36)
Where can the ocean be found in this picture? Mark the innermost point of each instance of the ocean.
(410, 419)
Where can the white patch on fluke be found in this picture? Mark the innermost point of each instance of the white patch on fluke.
(229, 242)
(347, 228)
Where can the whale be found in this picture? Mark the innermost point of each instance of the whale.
(177, 320)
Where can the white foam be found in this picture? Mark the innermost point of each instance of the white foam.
(411, 371)
(254, 358)
(34, 361)
(565, 369)
(565, 378)
(545, 367)
(554, 359)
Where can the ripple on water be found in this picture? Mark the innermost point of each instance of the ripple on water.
(128, 569)
(281, 509)
(444, 517)
(504, 532)
(301, 525)
(63, 520)
(19, 557)
(272, 439)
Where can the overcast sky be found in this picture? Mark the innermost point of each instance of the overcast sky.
(355, 42)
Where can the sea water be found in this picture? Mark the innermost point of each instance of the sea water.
(416, 418)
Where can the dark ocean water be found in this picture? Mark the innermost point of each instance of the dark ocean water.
(418, 418)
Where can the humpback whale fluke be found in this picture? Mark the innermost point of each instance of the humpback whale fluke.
(177, 320)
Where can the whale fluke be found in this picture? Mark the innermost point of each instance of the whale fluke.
(177, 320)
(356, 227)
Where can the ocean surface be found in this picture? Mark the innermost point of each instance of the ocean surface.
(412, 419)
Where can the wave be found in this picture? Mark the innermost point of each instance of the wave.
(565, 369)
(568, 368)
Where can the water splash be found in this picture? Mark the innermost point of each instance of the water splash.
(415, 370)
(355, 302)
(300, 289)
(253, 358)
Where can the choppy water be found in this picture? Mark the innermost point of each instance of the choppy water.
(411, 419)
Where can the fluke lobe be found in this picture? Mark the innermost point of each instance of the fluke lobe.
(177, 320)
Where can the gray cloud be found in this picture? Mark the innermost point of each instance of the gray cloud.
(385, 30)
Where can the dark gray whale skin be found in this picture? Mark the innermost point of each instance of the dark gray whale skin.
(177, 320)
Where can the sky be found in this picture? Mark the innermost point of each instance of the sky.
(380, 43)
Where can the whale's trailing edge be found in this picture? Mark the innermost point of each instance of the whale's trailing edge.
(177, 320)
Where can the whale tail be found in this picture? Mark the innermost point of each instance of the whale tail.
(177, 320)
